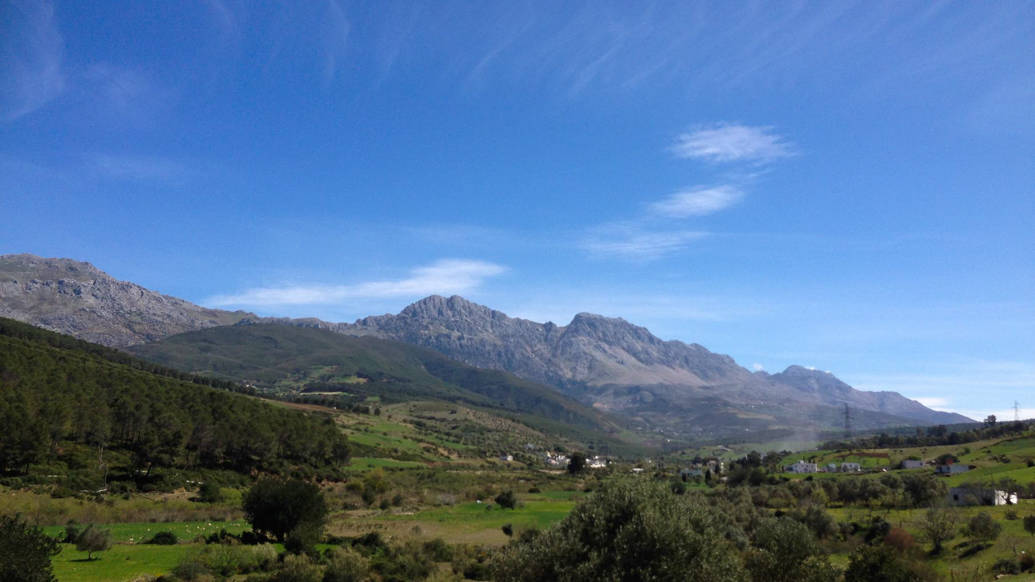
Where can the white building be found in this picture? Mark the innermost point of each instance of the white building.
(802, 467)
(981, 496)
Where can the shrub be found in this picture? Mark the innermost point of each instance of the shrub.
(899, 539)
(345, 564)
(164, 538)
(983, 527)
(508, 529)
(883, 563)
(303, 539)
(438, 550)
(1029, 524)
(190, 569)
(506, 500)
(297, 569)
(71, 533)
(1006, 566)
(210, 493)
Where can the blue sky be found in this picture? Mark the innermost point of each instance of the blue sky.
(849, 186)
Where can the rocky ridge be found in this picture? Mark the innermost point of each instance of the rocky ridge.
(606, 362)
(79, 299)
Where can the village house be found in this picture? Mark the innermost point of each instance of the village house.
(802, 467)
(851, 467)
(981, 496)
(912, 464)
(953, 469)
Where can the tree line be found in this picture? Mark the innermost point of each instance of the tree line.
(55, 392)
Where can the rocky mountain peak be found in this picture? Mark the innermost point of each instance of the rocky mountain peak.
(455, 307)
(76, 298)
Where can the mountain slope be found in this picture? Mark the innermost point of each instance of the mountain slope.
(607, 363)
(617, 366)
(306, 359)
(78, 299)
(58, 394)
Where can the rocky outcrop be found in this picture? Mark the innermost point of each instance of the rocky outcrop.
(79, 299)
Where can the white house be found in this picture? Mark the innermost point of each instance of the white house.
(802, 467)
(981, 496)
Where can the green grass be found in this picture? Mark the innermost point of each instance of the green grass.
(137, 533)
(121, 562)
(534, 511)
(364, 463)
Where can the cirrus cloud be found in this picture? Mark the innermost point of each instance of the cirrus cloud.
(726, 142)
(697, 201)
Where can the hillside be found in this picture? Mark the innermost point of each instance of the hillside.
(62, 401)
(79, 299)
(308, 360)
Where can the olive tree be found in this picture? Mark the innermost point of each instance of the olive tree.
(629, 530)
(279, 507)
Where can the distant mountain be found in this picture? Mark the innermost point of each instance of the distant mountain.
(78, 299)
(308, 360)
(681, 390)
(621, 367)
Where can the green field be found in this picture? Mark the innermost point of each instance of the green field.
(120, 563)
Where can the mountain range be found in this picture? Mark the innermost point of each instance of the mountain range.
(680, 390)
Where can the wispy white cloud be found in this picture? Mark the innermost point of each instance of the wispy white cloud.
(726, 142)
(697, 201)
(636, 241)
(933, 402)
(757, 367)
(31, 55)
(125, 96)
(134, 167)
(335, 39)
(445, 277)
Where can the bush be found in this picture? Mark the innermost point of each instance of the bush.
(223, 560)
(297, 569)
(303, 539)
(899, 539)
(345, 564)
(1006, 566)
(164, 538)
(506, 500)
(71, 533)
(438, 550)
(983, 527)
(883, 563)
(210, 493)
